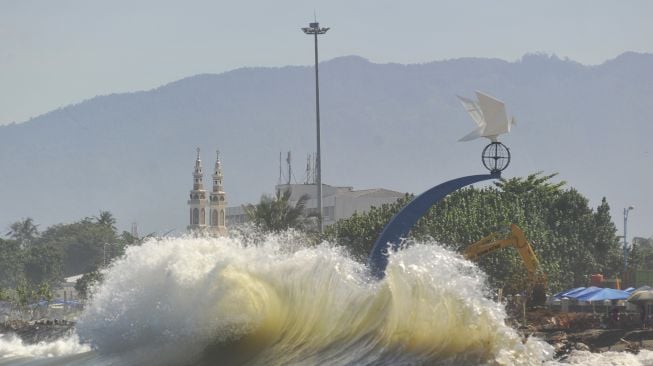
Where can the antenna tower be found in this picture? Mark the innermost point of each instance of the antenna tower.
(289, 167)
(134, 231)
(280, 170)
(308, 170)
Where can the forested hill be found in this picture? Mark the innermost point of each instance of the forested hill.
(383, 125)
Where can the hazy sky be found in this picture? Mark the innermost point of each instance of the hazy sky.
(58, 52)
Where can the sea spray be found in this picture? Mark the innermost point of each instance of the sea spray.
(644, 358)
(283, 303)
(278, 301)
(12, 346)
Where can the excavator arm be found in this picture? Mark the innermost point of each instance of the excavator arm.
(515, 239)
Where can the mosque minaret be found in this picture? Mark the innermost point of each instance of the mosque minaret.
(215, 204)
(197, 201)
(213, 208)
(217, 201)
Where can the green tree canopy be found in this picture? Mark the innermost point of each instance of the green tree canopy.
(571, 239)
(11, 263)
(43, 264)
(532, 183)
(24, 232)
(277, 213)
(85, 245)
(106, 219)
(34, 263)
(641, 254)
(86, 282)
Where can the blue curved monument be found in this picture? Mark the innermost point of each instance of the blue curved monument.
(404, 220)
(491, 119)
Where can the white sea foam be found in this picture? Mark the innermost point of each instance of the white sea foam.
(294, 304)
(13, 347)
(644, 358)
(280, 302)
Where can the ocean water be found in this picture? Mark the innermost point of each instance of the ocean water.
(230, 301)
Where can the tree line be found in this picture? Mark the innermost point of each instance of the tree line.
(32, 263)
(571, 239)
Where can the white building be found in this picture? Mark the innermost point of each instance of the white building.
(337, 202)
(67, 289)
(215, 205)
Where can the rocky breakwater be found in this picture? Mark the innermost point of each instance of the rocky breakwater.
(38, 331)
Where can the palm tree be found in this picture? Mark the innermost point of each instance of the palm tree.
(24, 232)
(106, 219)
(533, 182)
(277, 213)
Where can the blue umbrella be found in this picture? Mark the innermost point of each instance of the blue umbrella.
(41, 303)
(68, 302)
(604, 294)
(562, 294)
(587, 291)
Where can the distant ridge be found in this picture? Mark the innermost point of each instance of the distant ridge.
(384, 125)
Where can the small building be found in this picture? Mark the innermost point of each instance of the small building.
(67, 289)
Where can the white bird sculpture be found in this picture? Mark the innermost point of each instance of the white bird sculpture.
(489, 114)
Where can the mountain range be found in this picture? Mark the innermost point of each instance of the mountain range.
(383, 125)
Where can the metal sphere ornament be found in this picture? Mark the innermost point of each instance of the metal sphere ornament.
(496, 157)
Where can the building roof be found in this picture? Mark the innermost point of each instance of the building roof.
(73, 278)
(375, 192)
(327, 191)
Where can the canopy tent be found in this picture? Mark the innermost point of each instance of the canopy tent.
(68, 302)
(583, 292)
(567, 293)
(604, 294)
(41, 303)
(44, 303)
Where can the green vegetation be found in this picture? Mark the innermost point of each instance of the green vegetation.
(571, 239)
(641, 255)
(23, 232)
(84, 284)
(275, 214)
(32, 263)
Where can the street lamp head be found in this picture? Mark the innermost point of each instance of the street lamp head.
(631, 208)
(314, 28)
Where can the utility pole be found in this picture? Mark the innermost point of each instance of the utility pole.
(315, 30)
(626, 210)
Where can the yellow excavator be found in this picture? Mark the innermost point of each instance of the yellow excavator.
(516, 239)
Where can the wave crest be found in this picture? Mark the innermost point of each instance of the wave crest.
(280, 302)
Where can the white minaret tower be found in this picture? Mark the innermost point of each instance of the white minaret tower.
(197, 201)
(218, 201)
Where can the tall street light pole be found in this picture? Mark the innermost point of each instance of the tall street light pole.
(626, 210)
(315, 30)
